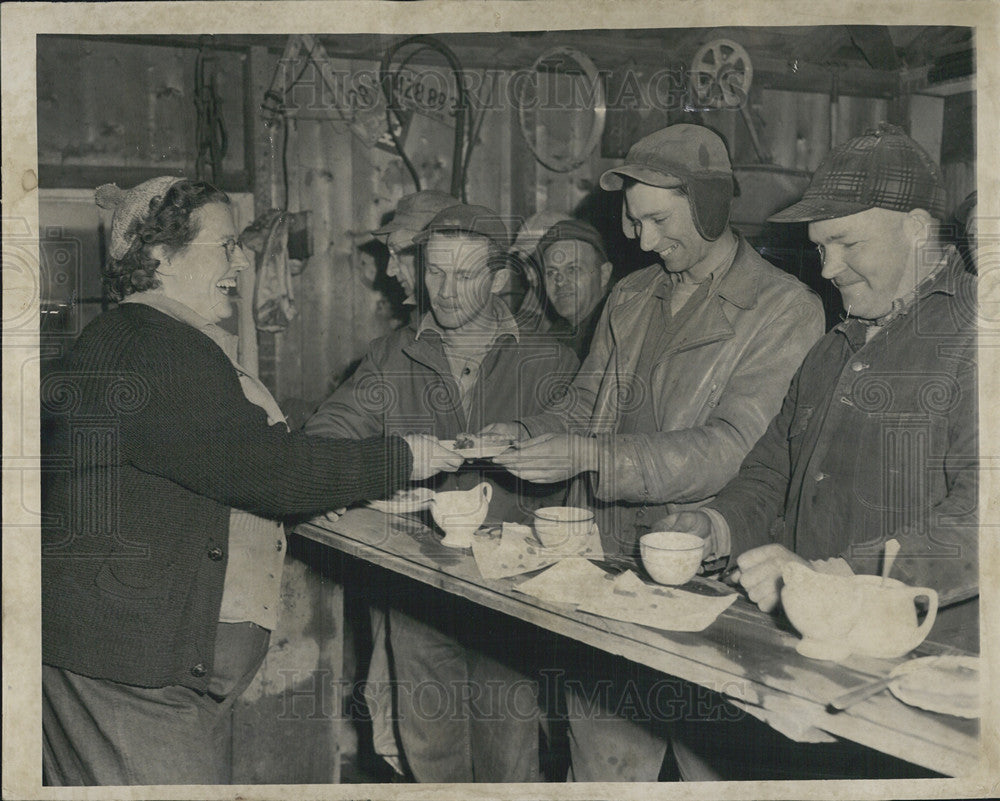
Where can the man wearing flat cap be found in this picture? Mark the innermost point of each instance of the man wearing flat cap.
(877, 438)
(689, 362)
(465, 710)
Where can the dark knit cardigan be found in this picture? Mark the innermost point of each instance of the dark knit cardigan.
(148, 441)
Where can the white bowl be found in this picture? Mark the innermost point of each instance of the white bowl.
(562, 526)
(671, 557)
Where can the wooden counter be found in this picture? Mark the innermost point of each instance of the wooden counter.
(745, 654)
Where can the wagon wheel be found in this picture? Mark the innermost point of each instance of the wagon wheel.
(721, 73)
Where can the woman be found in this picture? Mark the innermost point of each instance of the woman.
(162, 554)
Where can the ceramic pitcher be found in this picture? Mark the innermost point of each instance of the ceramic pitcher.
(460, 513)
(888, 627)
(823, 608)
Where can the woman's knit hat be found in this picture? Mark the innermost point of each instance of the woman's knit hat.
(130, 206)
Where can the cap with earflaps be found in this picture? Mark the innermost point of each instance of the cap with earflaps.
(691, 156)
(130, 206)
(469, 219)
(884, 168)
(415, 210)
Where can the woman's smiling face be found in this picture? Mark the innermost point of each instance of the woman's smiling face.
(202, 275)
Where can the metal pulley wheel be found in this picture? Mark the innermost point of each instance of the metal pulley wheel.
(721, 74)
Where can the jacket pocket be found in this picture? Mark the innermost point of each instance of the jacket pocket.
(133, 578)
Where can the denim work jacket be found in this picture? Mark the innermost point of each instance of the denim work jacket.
(875, 440)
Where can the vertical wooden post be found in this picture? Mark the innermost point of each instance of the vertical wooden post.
(899, 108)
(523, 167)
(258, 76)
(927, 123)
(335, 660)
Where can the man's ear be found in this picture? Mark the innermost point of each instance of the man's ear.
(606, 269)
(501, 280)
(918, 224)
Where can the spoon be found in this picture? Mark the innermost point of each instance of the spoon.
(858, 694)
(891, 550)
(866, 691)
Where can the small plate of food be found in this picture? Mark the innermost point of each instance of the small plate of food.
(946, 684)
(485, 446)
(404, 501)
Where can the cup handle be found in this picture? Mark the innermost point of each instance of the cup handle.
(932, 607)
(487, 491)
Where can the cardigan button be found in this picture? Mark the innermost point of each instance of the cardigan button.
(278, 545)
(199, 671)
(215, 554)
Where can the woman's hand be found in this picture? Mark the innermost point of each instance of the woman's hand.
(430, 457)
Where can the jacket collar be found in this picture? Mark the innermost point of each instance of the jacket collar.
(738, 282)
(426, 346)
(942, 280)
(738, 285)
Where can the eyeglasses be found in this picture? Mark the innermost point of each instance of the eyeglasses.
(231, 246)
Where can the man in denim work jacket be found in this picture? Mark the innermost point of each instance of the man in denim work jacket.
(878, 436)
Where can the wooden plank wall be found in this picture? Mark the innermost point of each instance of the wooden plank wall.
(349, 187)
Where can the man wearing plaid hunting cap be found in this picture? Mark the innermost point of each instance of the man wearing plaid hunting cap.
(688, 363)
(836, 466)
(461, 365)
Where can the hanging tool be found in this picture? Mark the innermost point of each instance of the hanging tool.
(211, 140)
(274, 107)
(463, 119)
(566, 61)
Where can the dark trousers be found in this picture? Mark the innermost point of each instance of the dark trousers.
(463, 714)
(100, 732)
(465, 691)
